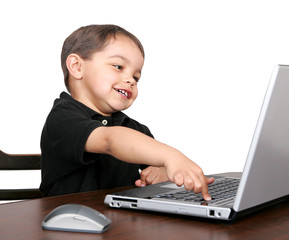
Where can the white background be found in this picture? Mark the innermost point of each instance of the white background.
(206, 70)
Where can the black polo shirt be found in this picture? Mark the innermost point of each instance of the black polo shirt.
(66, 167)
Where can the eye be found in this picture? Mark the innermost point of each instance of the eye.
(118, 67)
(136, 79)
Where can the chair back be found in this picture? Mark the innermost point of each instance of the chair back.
(19, 162)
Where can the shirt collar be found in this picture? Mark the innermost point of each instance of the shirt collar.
(116, 118)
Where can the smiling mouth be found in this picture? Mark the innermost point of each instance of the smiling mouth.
(123, 92)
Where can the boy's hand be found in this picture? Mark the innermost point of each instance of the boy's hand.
(152, 175)
(189, 174)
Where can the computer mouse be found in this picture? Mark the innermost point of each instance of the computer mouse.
(76, 218)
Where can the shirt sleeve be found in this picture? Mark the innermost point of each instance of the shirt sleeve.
(66, 131)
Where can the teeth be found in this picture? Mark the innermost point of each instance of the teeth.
(122, 92)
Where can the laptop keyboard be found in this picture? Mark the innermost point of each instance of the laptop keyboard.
(220, 190)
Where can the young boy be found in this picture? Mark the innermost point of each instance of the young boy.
(87, 142)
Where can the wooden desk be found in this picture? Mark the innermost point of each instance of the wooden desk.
(22, 220)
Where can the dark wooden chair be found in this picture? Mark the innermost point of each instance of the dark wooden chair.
(19, 162)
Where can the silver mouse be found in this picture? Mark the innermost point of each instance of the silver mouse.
(76, 218)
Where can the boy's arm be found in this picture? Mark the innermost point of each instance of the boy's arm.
(134, 147)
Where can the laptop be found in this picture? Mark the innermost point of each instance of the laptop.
(264, 180)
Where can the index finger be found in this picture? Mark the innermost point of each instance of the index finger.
(205, 192)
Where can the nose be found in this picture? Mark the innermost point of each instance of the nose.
(131, 81)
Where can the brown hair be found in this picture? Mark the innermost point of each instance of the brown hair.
(90, 39)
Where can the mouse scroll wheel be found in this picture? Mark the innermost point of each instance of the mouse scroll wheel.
(79, 218)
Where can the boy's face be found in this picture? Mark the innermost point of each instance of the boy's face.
(109, 78)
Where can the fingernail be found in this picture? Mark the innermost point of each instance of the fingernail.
(208, 198)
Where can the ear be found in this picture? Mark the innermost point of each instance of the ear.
(74, 66)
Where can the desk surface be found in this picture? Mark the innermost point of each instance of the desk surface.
(22, 220)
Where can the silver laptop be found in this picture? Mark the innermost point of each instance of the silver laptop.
(265, 177)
